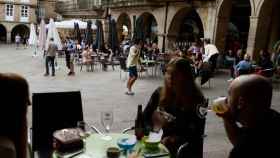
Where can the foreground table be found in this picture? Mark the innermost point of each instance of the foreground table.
(96, 147)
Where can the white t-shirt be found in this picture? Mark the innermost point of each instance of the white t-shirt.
(133, 57)
(210, 49)
(17, 39)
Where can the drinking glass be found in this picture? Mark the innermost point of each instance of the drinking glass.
(84, 129)
(219, 105)
(107, 121)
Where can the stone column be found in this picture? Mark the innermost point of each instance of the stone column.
(251, 44)
(221, 31)
(9, 37)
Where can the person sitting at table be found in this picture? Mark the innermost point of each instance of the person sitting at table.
(154, 52)
(230, 61)
(265, 62)
(251, 125)
(198, 63)
(181, 98)
(14, 102)
(106, 52)
(244, 66)
(87, 59)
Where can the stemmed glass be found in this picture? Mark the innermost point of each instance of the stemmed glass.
(84, 128)
(107, 122)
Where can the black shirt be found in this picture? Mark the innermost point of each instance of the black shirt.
(260, 142)
(187, 127)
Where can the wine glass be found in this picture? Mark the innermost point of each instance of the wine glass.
(84, 129)
(107, 121)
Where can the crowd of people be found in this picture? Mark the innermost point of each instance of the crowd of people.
(250, 123)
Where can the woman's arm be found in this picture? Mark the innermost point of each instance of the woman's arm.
(150, 108)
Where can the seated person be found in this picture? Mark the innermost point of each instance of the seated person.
(15, 99)
(181, 98)
(251, 125)
(230, 60)
(87, 59)
(265, 62)
(198, 63)
(244, 66)
(106, 53)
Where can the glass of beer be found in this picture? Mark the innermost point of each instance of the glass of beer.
(219, 105)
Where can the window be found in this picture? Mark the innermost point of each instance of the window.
(42, 12)
(24, 11)
(9, 10)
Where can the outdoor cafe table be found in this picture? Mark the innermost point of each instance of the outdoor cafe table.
(95, 146)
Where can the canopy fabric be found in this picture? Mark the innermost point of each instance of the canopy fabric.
(53, 33)
(88, 35)
(113, 35)
(99, 42)
(32, 37)
(77, 33)
(42, 35)
(69, 24)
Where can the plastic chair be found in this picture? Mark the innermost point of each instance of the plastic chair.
(51, 112)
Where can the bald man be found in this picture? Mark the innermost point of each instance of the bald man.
(251, 125)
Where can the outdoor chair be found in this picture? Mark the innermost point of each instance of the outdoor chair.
(123, 67)
(51, 112)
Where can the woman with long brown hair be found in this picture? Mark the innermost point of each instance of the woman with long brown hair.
(180, 99)
(14, 102)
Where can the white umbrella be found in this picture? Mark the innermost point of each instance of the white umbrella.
(32, 37)
(32, 41)
(53, 33)
(42, 35)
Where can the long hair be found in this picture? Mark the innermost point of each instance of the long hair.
(186, 94)
(14, 99)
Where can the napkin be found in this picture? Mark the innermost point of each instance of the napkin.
(155, 136)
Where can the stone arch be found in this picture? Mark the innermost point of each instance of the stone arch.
(227, 16)
(186, 26)
(3, 33)
(22, 30)
(124, 20)
(268, 26)
(149, 25)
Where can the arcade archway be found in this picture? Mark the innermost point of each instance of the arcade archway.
(185, 27)
(124, 27)
(147, 27)
(233, 24)
(3, 34)
(21, 30)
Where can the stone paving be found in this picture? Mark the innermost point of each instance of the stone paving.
(105, 91)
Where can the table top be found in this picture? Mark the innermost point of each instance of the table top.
(96, 146)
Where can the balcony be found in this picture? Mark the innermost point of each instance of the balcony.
(82, 9)
(129, 3)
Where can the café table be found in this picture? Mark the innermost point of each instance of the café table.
(153, 64)
(96, 147)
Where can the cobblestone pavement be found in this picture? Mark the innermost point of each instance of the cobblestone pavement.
(105, 91)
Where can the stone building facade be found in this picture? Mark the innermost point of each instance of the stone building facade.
(46, 9)
(257, 20)
(15, 18)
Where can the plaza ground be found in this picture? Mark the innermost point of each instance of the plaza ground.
(105, 91)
